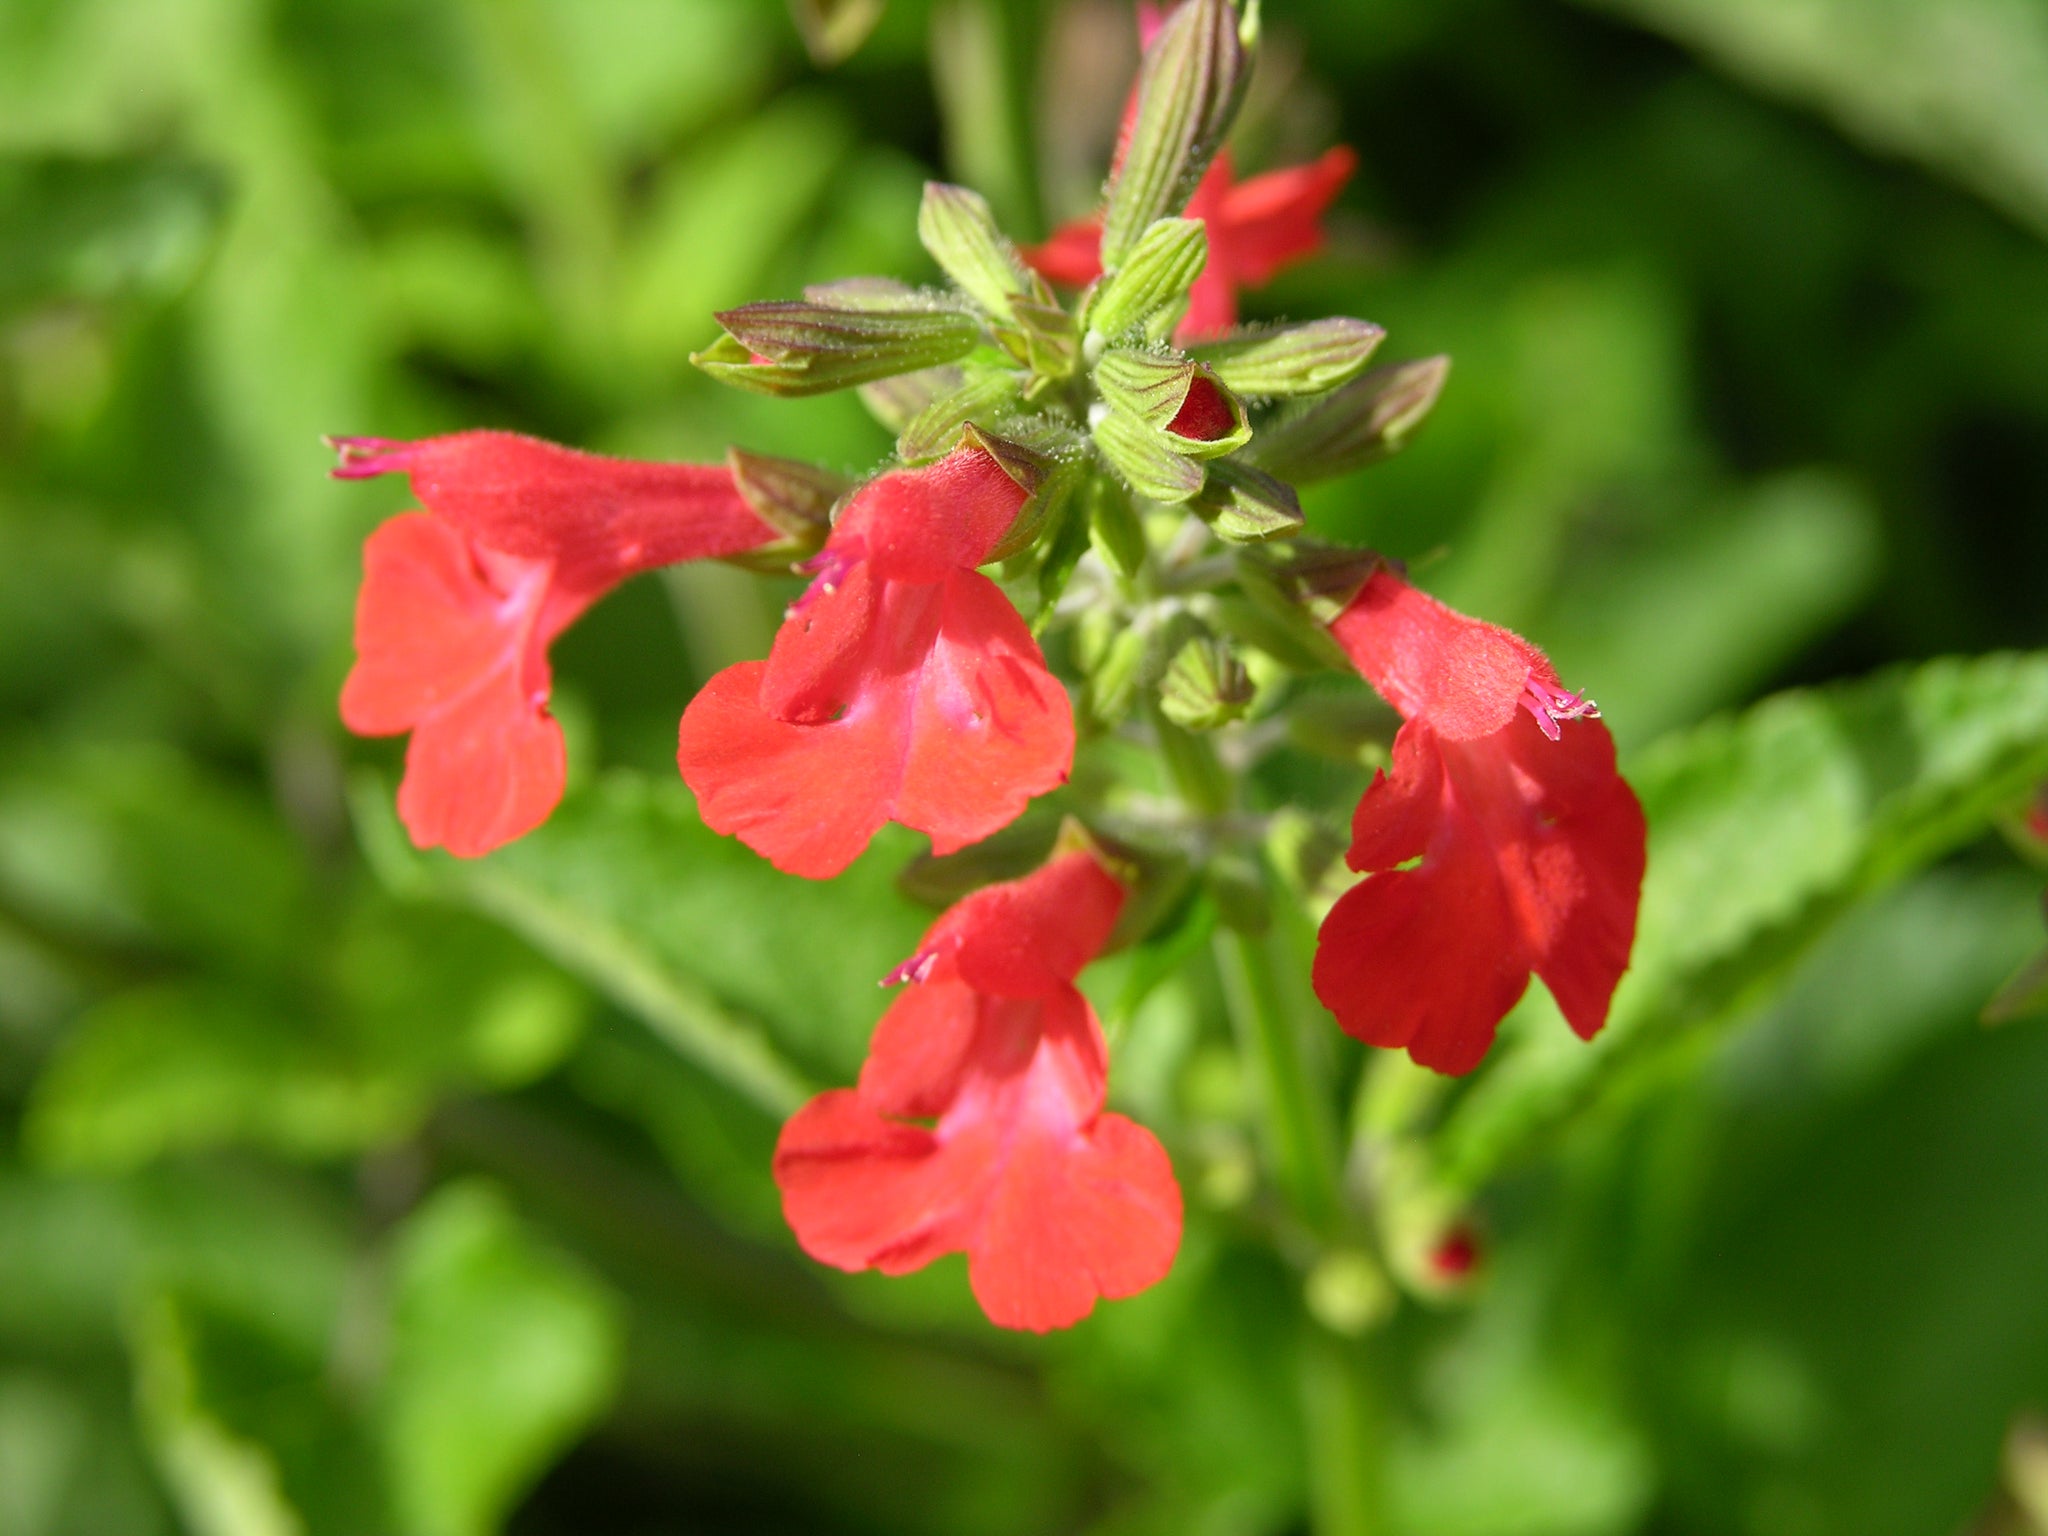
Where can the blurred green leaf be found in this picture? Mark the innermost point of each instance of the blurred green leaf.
(81, 229)
(626, 887)
(176, 1068)
(244, 1425)
(1765, 829)
(1961, 85)
(502, 1352)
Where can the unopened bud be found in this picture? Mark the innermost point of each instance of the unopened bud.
(934, 430)
(960, 231)
(1365, 421)
(1157, 275)
(1188, 92)
(790, 496)
(1116, 532)
(1205, 685)
(807, 348)
(1246, 505)
(1348, 1293)
(895, 402)
(1142, 457)
(1295, 360)
(1050, 345)
(1178, 398)
(1112, 683)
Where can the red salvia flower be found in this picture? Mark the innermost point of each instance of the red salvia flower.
(1530, 844)
(902, 686)
(1054, 1201)
(460, 603)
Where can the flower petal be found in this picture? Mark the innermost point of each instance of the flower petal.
(1577, 876)
(1429, 958)
(992, 727)
(483, 771)
(1275, 220)
(806, 797)
(1071, 256)
(1462, 677)
(598, 518)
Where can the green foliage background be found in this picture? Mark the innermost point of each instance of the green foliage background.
(349, 1191)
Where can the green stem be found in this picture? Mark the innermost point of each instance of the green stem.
(1346, 1430)
(1297, 1123)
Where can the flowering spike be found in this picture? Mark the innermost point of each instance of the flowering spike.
(459, 604)
(1490, 852)
(903, 686)
(1054, 1201)
(1193, 78)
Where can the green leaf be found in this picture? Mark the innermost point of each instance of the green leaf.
(693, 932)
(244, 1428)
(1764, 830)
(1961, 85)
(175, 1068)
(501, 1354)
(103, 229)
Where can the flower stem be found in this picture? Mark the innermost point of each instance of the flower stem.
(1297, 1122)
(1345, 1432)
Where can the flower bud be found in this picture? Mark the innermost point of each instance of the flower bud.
(1205, 685)
(805, 347)
(935, 430)
(895, 402)
(1156, 276)
(1193, 79)
(1295, 360)
(1116, 533)
(1365, 421)
(1143, 458)
(790, 496)
(1348, 1293)
(958, 229)
(1246, 505)
(1050, 344)
(1179, 399)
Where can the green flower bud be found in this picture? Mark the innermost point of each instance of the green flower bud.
(959, 230)
(1188, 92)
(1246, 505)
(1157, 275)
(1365, 421)
(805, 347)
(934, 430)
(1205, 685)
(1179, 399)
(1296, 360)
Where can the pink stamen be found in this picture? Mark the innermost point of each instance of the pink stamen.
(917, 968)
(1552, 705)
(363, 458)
(826, 569)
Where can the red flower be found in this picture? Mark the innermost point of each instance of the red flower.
(1255, 229)
(459, 604)
(1530, 845)
(903, 686)
(1053, 1201)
